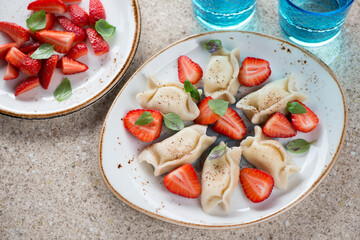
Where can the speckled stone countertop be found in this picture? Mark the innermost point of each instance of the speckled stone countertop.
(50, 186)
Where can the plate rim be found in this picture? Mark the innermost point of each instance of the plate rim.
(107, 89)
(230, 226)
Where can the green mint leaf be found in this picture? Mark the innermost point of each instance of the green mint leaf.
(188, 87)
(145, 118)
(195, 94)
(299, 145)
(63, 91)
(217, 152)
(36, 21)
(295, 107)
(45, 51)
(213, 46)
(218, 106)
(173, 121)
(104, 28)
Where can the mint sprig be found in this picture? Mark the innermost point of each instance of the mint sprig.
(104, 28)
(173, 121)
(189, 88)
(45, 51)
(295, 107)
(218, 106)
(63, 91)
(299, 145)
(212, 46)
(217, 152)
(144, 119)
(36, 21)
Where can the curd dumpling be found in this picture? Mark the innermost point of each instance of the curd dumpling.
(271, 98)
(219, 178)
(221, 75)
(270, 156)
(183, 147)
(168, 98)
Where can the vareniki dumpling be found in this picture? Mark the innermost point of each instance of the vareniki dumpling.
(219, 178)
(183, 147)
(271, 98)
(168, 98)
(221, 75)
(270, 156)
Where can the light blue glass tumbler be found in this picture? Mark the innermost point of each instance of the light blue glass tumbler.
(224, 14)
(313, 23)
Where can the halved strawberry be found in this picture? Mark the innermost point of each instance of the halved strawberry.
(183, 181)
(206, 116)
(96, 11)
(29, 47)
(47, 70)
(50, 6)
(304, 122)
(71, 66)
(254, 71)
(278, 126)
(75, 52)
(231, 125)
(14, 56)
(68, 1)
(26, 85)
(69, 26)
(4, 48)
(97, 42)
(16, 32)
(145, 133)
(78, 15)
(256, 184)
(50, 21)
(11, 72)
(187, 69)
(30, 66)
(62, 41)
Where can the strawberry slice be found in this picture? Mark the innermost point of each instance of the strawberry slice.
(69, 1)
(30, 66)
(71, 66)
(50, 6)
(11, 72)
(206, 116)
(99, 45)
(75, 52)
(78, 15)
(47, 70)
(16, 32)
(145, 133)
(50, 21)
(14, 56)
(96, 11)
(278, 126)
(187, 69)
(29, 47)
(4, 48)
(256, 184)
(254, 71)
(62, 41)
(69, 26)
(231, 125)
(304, 122)
(26, 85)
(183, 181)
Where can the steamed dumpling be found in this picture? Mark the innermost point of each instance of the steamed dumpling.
(270, 156)
(183, 147)
(271, 98)
(221, 75)
(168, 98)
(219, 178)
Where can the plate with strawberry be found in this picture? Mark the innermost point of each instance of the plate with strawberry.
(58, 56)
(311, 132)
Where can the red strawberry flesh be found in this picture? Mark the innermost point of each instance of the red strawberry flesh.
(231, 125)
(304, 122)
(189, 70)
(50, 6)
(96, 11)
(16, 32)
(278, 126)
(71, 66)
(256, 184)
(27, 85)
(78, 15)
(69, 26)
(99, 45)
(206, 116)
(14, 56)
(29, 47)
(254, 71)
(4, 48)
(47, 71)
(61, 40)
(11, 72)
(30, 66)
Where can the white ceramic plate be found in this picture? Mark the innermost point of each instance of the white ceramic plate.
(103, 73)
(135, 183)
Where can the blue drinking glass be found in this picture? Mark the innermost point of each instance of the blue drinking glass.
(313, 22)
(224, 14)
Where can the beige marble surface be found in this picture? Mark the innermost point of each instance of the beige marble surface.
(50, 187)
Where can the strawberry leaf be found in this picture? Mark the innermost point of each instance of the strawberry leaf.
(217, 152)
(218, 106)
(213, 46)
(63, 91)
(145, 118)
(299, 145)
(173, 121)
(295, 107)
(36, 21)
(104, 28)
(45, 51)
